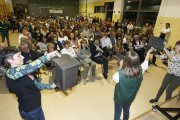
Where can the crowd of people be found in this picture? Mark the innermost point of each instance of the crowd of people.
(92, 41)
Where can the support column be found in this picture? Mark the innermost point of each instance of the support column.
(169, 13)
(118, 10)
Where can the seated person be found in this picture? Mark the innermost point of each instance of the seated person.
(96, 56)
(50, 48)
(82, 38)
(29, 55)
(57, 44)
(120, 51)
(68, 49)
(84, 55)
(43, 45)
(139, 47)
(106, 45)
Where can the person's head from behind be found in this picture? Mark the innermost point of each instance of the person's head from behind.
(14, 59)
(131, 64)
(67, 44)
(167, 25)
(177, 47)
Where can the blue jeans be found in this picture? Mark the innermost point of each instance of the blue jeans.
(117, 111)
(36, 114)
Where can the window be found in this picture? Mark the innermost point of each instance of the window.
(99, 9)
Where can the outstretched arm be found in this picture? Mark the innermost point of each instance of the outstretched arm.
(167, 51)
(41, 86)
(17, 72)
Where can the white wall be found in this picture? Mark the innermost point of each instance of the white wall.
(170, 8)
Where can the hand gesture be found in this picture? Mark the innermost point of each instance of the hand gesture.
(151, 50)
(53, 54)
(53, 86)
(165, 44)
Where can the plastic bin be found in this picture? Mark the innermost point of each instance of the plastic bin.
(65, 71)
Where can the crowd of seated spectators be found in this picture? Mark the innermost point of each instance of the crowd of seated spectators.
(105, 39)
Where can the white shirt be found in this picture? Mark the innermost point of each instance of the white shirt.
(130, 26)
(60, 39)
(124, 40)
(69, 51)
(144, 67)
(21, 36)
(106, 42)
(86, 33)
(167, 33)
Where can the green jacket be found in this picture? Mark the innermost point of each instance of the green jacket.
(127, 88)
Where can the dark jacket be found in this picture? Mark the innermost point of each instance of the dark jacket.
(94, 52)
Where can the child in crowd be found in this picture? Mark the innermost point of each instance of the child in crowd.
(84, 55)
(68, 49)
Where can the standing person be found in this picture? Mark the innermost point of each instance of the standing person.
(24, 85)
(166, 32)
(5, 31)
(128, 79)
(171, 80)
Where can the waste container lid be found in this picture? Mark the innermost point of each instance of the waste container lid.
(156, 42)
(65, 62)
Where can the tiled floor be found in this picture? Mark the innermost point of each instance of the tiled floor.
(93, 101)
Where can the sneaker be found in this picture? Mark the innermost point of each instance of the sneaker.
(153, 100)
(84, 81)
(154, 64)
(95, 78)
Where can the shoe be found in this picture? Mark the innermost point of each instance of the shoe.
(154, 64)
(153, 100)
(105, 75)
(84, 82)
(95, 78)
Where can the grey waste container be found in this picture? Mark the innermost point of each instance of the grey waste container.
(65, 71)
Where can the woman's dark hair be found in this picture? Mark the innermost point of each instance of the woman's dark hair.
(9, 55)
(131, 64)
(177, 43)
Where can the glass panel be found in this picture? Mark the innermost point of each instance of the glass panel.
(130, 16)
(150, 5)
(99, 9)
(131, 4)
